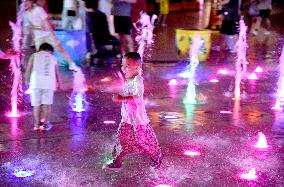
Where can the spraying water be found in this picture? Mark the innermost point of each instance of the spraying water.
(78, 94)
(193, 53)
(261, 142)
(241, 63)
(280, 89)
(15, 64)
(144, 27)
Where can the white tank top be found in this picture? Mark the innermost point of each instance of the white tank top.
(43, 71)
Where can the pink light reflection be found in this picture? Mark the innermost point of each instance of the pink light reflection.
(109, 122)
(191, 153)
(173, 82)
(258, 69)
(262, 142)
(251, 175)
(223, 71)
(225, 112)
(214, 80)
(252, 76)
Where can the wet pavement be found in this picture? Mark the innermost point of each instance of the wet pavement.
(73, 152)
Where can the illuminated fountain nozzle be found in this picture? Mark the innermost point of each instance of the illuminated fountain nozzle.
(14, 112)
(251, 175)
(262, 142)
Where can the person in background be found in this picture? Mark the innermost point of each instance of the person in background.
(265, 7)
(38, 23)
(164, 10)
(230, 24)
(42, 76)
(122, 23)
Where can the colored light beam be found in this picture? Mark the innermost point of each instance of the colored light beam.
(241, 63)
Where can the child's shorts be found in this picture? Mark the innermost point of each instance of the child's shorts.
(41, 97)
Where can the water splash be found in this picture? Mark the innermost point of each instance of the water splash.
(261, 142)
(251, 175)
(78, 95)
(15, 64)
(194, 50)
(241, 63)
(144, 27)
(280, 84)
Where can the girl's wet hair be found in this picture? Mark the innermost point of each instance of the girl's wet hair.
(133, 56)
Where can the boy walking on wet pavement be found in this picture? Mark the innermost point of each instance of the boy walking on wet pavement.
(135, 134)
(42, 75)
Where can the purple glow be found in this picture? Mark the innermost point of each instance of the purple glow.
(258, 69)
(109, 122)
(223, 71)
(252, 76)
(225, 112)
(277, 105)
(261, 142)
(241, 63)
(23, 173)
(191, 153)
(144, 27)
(173, 82)
(214, 80)
(251, 175)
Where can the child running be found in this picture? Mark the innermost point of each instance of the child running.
(135, 134)
(42, 75)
